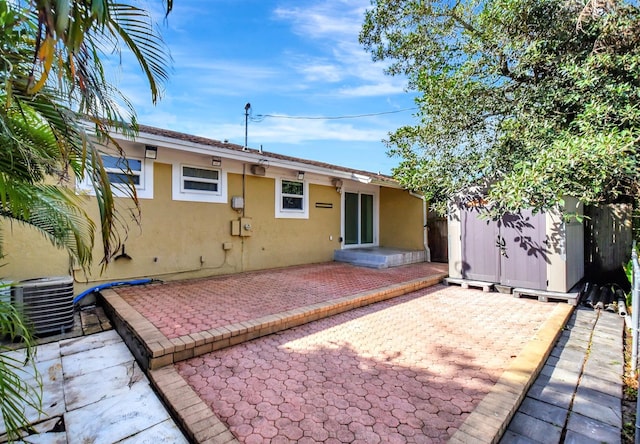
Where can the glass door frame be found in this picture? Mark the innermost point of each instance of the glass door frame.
(369, 190)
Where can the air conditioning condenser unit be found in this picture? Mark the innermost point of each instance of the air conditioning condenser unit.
(47, 303)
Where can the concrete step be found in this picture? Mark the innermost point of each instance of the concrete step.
(379, 257)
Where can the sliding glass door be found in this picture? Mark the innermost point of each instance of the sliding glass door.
(358, 219)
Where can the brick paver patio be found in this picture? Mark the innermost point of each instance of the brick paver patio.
(185, 307)
(410, 369)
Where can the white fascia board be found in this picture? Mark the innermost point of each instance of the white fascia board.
(247, 157)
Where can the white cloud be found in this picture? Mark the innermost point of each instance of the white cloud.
(320, 71)
(374, 89)
(334, 25)
(332, 19)
(294, 131)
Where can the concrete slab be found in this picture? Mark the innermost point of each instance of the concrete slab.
(95, 359)
(598, 406)
(545, 412)
(593, 398)
(101, 396)
(85, 389)
(511, 437)
(115, 418)
(608, 386)
(593, 429)
(535, 429)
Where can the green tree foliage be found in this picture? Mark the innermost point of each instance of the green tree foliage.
(20, 383)
(55, 100)
(532, 100)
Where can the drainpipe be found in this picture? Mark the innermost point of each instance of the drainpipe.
(425, 238)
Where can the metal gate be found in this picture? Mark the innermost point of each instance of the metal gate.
(511, 251)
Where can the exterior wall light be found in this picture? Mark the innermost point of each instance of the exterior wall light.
(300, 175)
(216, 161)
(150, 152)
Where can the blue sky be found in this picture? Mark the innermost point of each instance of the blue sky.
(292, 58)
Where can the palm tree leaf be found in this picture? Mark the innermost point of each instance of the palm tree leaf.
(133, 26)
(55, 211)
(16, 393)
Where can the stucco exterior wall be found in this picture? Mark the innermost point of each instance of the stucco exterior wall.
(178, 240)
(28, 254)
(278, 242)
(401, 219)
(182, 239)
(182, 236)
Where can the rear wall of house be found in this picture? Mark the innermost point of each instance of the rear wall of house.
(401, 220)
(185, 239)
(180, 239)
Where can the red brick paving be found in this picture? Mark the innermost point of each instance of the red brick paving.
(410, 369)
(184, 307)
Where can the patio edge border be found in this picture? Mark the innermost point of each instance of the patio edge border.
(489, 420)
(192, 413)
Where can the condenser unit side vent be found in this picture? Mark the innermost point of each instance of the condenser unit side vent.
(47, 303)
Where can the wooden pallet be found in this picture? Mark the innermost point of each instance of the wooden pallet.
(547, 296)
(465, 283)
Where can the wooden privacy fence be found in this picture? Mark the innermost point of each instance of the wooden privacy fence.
(608, 236)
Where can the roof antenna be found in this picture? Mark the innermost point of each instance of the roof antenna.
(247, 107)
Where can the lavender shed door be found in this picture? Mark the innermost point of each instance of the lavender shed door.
(480, 255)
(523, 251)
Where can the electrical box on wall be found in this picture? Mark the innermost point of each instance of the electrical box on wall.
(237, 202)
(241, 227)
(235, 228)
(245, 226)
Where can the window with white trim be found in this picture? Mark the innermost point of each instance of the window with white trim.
(198, 183)
(123, 172)
(292, 199)
(292, 195)
(200, 180)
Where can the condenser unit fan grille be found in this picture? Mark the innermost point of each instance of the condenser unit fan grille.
(46, 302)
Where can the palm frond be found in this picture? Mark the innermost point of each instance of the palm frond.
(16, 391)
(55, 211)
(133, 26)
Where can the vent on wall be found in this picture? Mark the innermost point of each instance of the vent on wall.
(46, 302)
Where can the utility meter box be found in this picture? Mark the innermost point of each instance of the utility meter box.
(241, 227)
(246, 227)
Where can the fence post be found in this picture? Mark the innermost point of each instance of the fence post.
(635, 307)
(635, 318)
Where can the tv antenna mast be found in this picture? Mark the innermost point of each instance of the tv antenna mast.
(247, 107)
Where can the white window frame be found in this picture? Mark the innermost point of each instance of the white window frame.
(184, 178)
(180, 193)
(144, 190)
(286, 213)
